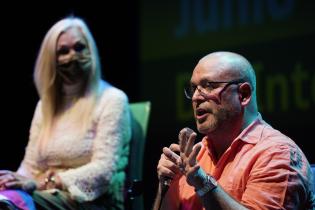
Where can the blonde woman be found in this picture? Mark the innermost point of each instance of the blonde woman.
(78, 145)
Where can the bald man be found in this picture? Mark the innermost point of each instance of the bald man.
(242, 162)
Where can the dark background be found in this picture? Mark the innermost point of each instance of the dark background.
(140, 57)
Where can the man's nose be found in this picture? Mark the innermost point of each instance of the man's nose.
(198, 94)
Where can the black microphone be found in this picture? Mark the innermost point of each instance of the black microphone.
(165, 186)
(166, 182)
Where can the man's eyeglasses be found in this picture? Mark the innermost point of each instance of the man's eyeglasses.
(205, 88)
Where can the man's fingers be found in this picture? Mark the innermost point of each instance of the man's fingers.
(182, 140)
(165, 172)
(190, 143)
(167, 168)
(183, 137)
(193, 156)
(171, 155)
(167, 163)
(174, 147)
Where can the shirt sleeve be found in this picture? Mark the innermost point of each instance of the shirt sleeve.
(279, 180)
(29, 166)
(105, 171)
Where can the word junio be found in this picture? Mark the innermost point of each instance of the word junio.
(200, 16)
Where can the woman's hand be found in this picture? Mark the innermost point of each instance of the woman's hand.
(49, 180)
(12, 180)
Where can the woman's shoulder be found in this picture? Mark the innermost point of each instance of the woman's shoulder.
(111, 93)
(38, 106)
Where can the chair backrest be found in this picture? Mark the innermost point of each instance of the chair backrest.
(313, 171)
(140, 112)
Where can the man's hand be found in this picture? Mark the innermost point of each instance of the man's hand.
(168, 166)
(188, 154)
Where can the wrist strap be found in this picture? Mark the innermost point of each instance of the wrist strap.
(209, 183)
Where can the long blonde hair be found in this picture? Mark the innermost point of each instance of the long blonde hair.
(47, 84)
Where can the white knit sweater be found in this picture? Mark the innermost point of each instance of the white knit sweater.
(89, 165)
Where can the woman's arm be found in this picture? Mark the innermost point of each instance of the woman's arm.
(110, 151)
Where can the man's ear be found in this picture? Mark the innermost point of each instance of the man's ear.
(245, 93)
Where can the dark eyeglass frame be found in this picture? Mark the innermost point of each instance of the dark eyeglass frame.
(190, 90)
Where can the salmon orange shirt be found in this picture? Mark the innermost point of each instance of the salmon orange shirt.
(262, 169)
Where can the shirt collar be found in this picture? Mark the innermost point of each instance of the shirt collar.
(251, 134)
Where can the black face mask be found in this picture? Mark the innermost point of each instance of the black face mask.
(75, 70)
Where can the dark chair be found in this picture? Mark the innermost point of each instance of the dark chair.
(140, 118)
(7, 205)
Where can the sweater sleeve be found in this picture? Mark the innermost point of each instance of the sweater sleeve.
(105, 171)
(29, 166)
